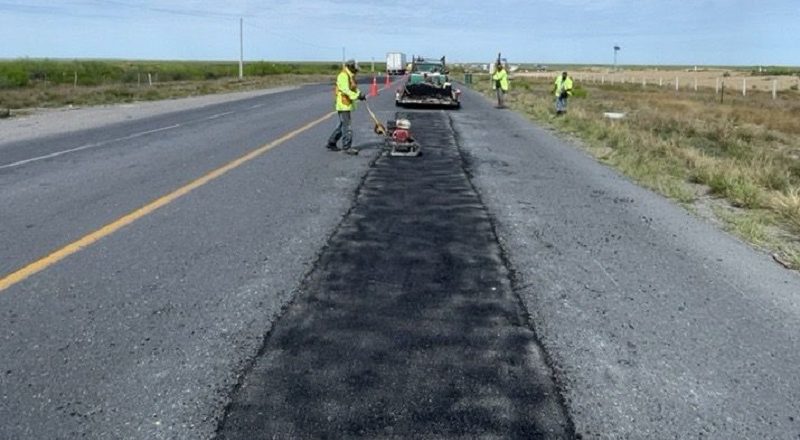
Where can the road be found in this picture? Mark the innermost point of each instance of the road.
(185, 274)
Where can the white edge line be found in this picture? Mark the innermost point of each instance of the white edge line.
(85, 147)
(218, 115)
(144, 133)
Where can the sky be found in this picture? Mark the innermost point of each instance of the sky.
(648, 32)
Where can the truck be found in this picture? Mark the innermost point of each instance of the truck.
(396, 63)
(428, 85)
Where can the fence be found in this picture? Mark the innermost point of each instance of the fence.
(683, 81)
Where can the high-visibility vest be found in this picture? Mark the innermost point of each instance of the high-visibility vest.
(562, 84)
(345, 91)
(501, 77)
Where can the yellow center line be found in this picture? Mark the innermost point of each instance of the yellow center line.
(42, 264)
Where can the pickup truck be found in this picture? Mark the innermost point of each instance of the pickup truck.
(428, 84)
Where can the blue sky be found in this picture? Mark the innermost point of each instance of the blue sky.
(690, 32)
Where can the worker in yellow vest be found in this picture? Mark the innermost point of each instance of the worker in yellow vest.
(563, 90)
(345, 95)
(500, 83)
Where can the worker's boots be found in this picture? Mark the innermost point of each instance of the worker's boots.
(351, 151)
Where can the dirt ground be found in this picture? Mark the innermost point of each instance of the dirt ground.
(686, 79)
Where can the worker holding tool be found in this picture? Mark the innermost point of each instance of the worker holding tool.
(563, 90)
(345, 94)
(500, 84)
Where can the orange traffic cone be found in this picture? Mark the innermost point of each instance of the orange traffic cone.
(388, 79)
(373, 90)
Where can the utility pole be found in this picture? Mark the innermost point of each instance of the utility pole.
(241, 48)
(344, 58)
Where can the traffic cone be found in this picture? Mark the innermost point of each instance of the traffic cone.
(388, 80)
(373, 90)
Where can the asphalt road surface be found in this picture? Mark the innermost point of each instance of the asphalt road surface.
(408, 328)
(503, 285)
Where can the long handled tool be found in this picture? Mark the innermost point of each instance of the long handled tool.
(407, 147)
(379, 128)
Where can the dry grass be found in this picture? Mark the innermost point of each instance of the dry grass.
(745, 151)
(788, 206)
(44, 95)
(733, 79)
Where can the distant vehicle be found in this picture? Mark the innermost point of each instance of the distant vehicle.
(428, 84)
(396, 63)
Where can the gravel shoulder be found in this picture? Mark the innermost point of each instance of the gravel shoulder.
(657, 324)
(43, 122)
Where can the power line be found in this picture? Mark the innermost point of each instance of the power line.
(162, 10)
(291, 37)
(89, 8)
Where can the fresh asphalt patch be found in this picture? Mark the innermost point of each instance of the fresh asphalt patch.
(408, 325)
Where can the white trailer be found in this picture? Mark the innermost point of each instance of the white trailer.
(396, 63)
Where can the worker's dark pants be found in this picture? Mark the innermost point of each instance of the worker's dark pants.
(561, 104)
(500, 95)
(343, 131)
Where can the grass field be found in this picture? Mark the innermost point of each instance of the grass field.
(736, 162)
(29, 83)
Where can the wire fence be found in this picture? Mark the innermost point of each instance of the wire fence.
(687, 81)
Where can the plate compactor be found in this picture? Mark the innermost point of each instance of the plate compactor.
(399, 140)
(397, 136)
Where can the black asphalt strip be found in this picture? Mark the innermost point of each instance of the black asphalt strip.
(407, 327)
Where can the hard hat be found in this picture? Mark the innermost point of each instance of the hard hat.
(404, 124)
(352, 65)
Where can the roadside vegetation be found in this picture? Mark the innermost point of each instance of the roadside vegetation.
(736, 162)
(27, 83)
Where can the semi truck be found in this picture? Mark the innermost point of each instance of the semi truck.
(396, 63)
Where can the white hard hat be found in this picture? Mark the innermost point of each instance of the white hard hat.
(404, 124)
(352, 64)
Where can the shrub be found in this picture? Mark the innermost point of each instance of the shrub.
(12, 76)
(579, 92)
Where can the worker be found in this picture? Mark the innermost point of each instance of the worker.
(345, 94)
(563, 90)
(500, 84)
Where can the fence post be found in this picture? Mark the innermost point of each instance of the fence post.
(644, 82)
(677, 84)
(695, 84)
(774, 89)
(602, 79)
(661, 82)
(716, 87)
(744, 86)
(75, 82)
(150, 79)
